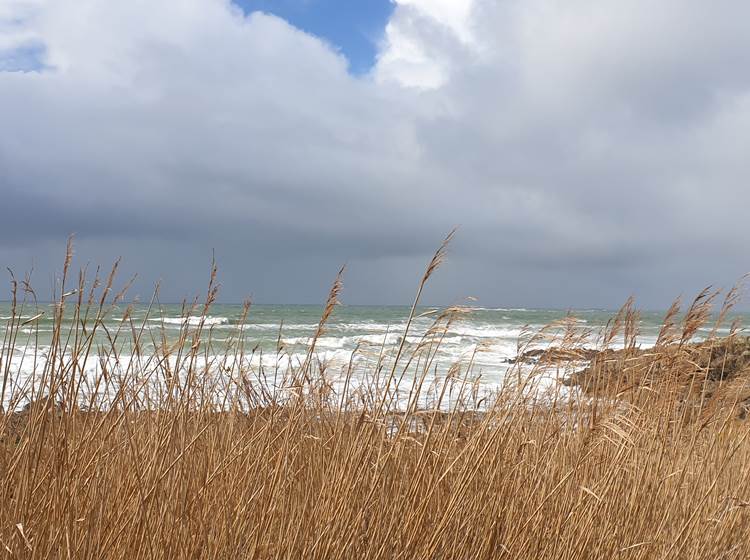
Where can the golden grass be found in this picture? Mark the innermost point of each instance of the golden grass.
(180, 463)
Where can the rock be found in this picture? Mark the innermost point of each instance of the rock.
(552, 355)
(712, 375)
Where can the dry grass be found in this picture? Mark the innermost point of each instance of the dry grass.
(177, 462)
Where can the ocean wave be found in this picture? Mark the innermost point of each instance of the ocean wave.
(351, 341)
(276, 326)
(486, 331)
(228, 370)
(191, 321)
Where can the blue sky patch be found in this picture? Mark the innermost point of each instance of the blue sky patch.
(354, 26)
(27, 58)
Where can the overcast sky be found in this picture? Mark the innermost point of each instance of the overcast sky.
(588, 149)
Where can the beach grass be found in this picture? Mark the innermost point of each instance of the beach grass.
(180, 454)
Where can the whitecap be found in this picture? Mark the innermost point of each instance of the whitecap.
(191, 321)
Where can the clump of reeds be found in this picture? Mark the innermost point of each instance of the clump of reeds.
(172, 450)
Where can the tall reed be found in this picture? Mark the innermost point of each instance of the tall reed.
(139, 446)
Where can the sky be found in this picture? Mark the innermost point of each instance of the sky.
(354, 29)
(587, 150)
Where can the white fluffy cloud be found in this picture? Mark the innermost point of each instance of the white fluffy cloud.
(420, 40)
(588, 149)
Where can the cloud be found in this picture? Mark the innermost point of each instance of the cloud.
(421, 39)
(588, 149)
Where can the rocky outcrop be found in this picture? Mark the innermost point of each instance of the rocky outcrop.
(552, 355)
(709, 375)
(717, 360)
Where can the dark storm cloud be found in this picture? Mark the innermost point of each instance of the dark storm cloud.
(588, 150)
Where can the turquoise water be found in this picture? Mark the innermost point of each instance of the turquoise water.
(497, 330)
(488, 339)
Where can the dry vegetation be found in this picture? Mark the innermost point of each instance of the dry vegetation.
(647, 456)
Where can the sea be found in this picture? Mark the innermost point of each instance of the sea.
(489, 339)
